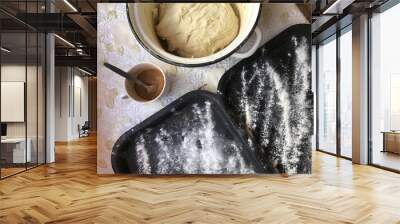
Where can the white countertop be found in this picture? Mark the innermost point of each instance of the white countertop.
(13, 140)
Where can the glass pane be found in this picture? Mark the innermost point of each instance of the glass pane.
(327, 96)
(13, 89)
(386, 89)
(346, 94)
(314, 89)
(31, 100)
(41, 98)
(31, 88)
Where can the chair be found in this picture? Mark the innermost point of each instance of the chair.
(84, 130)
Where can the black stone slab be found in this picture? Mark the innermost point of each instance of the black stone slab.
(192, 135)
(269, 96)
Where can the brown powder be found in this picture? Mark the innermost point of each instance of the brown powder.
(150, 77)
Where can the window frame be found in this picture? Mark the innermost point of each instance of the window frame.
(334, 37)
(27, 29)
(378, 10)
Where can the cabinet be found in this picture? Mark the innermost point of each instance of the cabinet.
(391, 142)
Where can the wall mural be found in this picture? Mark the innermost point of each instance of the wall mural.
(227, 113)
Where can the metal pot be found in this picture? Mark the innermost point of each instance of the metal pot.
(142, 23)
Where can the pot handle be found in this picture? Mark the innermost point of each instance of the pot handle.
(124, 97)
(253, 49)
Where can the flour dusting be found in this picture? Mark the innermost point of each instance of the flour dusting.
(271, 105)
(196, 148)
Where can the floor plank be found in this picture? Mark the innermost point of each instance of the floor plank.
(387, 159)
(70, 191)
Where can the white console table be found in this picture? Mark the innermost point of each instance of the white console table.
(19, 155)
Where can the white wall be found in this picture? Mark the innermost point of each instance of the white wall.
(33, 126)
(80, 110)
(16, 73)
(62, 81)
(13, 101)
(12, 73)
(69, 84)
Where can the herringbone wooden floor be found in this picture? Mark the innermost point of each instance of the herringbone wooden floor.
(70, 191)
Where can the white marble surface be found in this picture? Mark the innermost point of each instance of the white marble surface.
(117, 45)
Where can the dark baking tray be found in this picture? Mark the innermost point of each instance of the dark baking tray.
(192, 135)
(279, 59)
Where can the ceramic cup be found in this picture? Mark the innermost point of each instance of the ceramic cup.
(134, 72)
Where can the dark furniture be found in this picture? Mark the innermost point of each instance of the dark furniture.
(84, 130)
(3, 129)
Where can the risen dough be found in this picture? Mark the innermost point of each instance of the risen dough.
(197, 29)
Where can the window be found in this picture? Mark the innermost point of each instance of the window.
(385, 89)
(346, 93)
(327, 95)
(314, 89)
(22, 77)
(334, 94)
